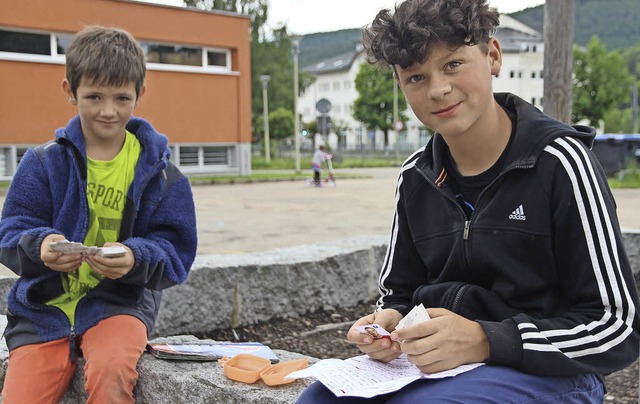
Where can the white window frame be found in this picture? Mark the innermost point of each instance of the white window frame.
(55, 58)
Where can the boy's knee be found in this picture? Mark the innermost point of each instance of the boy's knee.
(110, 380)
(112, 370)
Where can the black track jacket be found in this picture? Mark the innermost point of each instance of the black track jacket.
(539, 264)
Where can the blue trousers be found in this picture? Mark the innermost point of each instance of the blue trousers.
(485, 384)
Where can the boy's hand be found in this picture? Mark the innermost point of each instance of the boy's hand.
(56, 260)
(112, 268)
(444, 342)
(382, 349)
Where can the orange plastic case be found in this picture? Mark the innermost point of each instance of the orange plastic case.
(245, 368)
(249, 369)
(274, 375)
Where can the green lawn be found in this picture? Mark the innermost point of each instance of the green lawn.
(259, 163)
(628, 178)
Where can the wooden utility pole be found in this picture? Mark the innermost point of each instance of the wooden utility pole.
(558, 58)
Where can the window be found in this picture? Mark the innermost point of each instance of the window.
(20, 152)
(62, 43)
(188, 156)
(218, 58)
(50, 47)
(512, 74)
(533, 75)
(173, 54)
(30, 43)
(336, 85)
(533, 101)
(25, 42)
(187, 57)
(324, 87)
(215, 155)
(204, 158)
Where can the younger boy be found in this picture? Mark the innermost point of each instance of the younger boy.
(505, 229)
(105, 180)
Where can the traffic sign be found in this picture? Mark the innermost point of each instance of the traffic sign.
(323, 106)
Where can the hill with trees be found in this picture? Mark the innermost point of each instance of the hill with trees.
(615, 22)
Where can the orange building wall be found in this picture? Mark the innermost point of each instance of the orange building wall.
(187, 107)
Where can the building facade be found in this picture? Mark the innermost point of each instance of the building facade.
(198, 87)
(521, 74)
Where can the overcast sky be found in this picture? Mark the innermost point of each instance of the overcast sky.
(309, 16)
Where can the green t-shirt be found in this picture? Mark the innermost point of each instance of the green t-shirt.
(107, 185)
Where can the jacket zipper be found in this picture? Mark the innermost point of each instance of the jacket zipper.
(467, 224)
(72, 345)
(456, 300)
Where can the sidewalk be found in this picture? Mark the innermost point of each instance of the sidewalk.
(246, 218)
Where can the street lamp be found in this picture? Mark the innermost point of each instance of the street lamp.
(295, 50)
(265, 117)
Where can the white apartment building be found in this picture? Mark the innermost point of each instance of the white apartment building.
(521, 74)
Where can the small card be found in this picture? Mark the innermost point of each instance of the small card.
(417, 315)
(112, 252)
(72, 247)
(375, 330)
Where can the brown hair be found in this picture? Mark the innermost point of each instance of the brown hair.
(105, 56)
(408, 35)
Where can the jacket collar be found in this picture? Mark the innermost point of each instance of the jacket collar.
(154, 144)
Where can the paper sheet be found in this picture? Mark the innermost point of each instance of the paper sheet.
(362, 376)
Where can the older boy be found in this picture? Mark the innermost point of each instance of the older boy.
(106, 180)
(505, 229)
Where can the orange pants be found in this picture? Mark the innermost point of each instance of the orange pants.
(41, 373)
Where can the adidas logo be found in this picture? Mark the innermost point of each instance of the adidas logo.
(518, 214)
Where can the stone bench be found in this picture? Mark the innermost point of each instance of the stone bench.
(235, 290)
(188, 382)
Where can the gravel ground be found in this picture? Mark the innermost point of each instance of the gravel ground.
(323, 335)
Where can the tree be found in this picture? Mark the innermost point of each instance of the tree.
(631, 57)
(274, 59)
(257, 10)
(281, 123)
(619, 120)
(374, 105)
(601, 82)
(558, 40)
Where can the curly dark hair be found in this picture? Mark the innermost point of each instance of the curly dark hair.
(408, 35)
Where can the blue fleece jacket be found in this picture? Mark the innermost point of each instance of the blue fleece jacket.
(48, 196)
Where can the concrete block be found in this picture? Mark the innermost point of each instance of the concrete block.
(232, 290)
